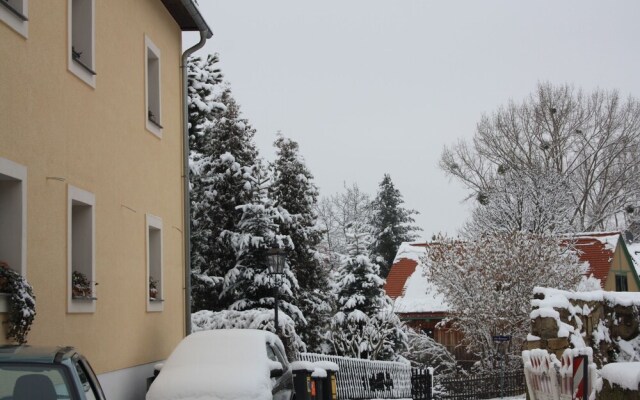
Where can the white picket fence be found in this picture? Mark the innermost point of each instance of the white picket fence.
(366, 379)
(551, 379)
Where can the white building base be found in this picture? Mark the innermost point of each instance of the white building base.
(128, 383)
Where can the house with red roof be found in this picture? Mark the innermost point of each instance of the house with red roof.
(609, 260)
(417, 301)
(419, 304)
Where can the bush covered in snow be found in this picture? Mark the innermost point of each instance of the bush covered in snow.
(251, 319)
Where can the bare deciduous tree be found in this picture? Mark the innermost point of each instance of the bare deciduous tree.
(488, 284)
(592, 139)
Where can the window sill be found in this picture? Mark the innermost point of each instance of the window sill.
(15, 12)
(84, 298)
(154, 128)
(156, 123)
(156, 300)
(84, 66)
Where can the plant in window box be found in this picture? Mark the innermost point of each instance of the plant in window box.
(22, 303)
(153, 289)
(80, 285)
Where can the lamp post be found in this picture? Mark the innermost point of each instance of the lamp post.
(276, 258)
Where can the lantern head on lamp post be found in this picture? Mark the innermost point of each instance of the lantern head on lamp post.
(276, 258)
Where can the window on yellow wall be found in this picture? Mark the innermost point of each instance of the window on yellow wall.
(621, 283)
(14, 14)
(81, 250)
(155, 295)
(82, 39)
(13, 218)
(152, 87)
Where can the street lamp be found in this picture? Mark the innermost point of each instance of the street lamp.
(276, 258)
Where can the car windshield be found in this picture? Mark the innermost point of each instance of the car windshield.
(21, 382)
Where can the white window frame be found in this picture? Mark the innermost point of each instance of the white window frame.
(17, 260)
(154, 223)
(84, 71)
(78, 195)
(17, 18)
(154, 127)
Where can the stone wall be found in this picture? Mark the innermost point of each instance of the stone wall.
(607, 322)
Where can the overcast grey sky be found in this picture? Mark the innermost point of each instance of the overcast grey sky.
(371, 87)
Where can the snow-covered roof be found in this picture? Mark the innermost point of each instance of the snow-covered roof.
(596, 249)
(219, 364)
(407, 285)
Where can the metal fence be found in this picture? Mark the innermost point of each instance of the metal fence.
(367, 379)
(481, 387)
(422, 384)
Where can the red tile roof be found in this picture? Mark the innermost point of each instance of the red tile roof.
(593, 251)
(400, 271)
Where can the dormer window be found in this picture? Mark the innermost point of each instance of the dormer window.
(82, 39)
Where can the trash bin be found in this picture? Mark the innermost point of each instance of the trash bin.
(328, 382)
(318, 377)
(303, 385)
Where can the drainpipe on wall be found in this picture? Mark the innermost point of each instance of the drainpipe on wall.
(205, 33)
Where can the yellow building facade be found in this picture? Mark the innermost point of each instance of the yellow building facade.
(91, 175)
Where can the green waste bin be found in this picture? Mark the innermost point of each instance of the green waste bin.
(303, 384)
(328, 384)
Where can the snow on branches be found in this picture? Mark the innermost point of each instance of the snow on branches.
(488, 283)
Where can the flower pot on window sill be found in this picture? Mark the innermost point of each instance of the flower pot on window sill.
(81, 293)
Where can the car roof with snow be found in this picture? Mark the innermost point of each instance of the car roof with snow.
(218, 364)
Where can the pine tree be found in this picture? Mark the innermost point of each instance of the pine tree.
(248, 284)
(365, 325)
(219, 184)
(294, 190)
(391, 224)
(203, 86)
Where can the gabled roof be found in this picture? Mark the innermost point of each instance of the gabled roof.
(596, 249)
(407, 285)
(187, 15)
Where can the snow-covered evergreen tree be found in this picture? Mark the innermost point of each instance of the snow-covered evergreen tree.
(391, 224)
(365, 325)
(203, 88)
(248, 284)
(219, 184)
(293, 189)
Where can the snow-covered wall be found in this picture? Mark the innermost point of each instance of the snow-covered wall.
(608, 322)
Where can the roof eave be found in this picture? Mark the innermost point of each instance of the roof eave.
(188, 16)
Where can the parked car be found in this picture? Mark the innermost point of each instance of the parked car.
(46, 373)
(225, 364)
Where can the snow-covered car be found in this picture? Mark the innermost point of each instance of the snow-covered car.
(225, 364)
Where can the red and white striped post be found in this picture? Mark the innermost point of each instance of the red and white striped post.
(581, 377)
